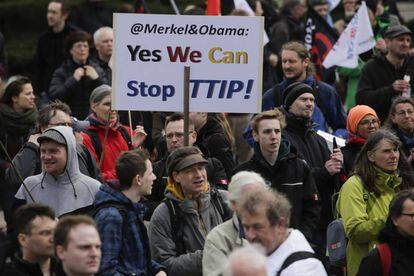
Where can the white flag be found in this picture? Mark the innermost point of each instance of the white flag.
(243, 5)
(356, 39)
(332, 4)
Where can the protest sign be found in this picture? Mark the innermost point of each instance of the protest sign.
(224, 53)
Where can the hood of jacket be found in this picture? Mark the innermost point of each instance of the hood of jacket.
(109, 194)
(72, 164)
(67, 192)
(285, 151)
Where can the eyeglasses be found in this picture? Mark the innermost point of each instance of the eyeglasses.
(61, 124)
(409, 215)
(178, 135)
(368, 122)
(404, 112)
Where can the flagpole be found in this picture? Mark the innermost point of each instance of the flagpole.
(175, 7)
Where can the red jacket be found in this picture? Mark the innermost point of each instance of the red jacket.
(115, 144)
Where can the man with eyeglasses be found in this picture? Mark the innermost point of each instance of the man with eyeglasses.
(27, 162)
(387, 76)
(174, 136)
(401, 121)
(34, 225)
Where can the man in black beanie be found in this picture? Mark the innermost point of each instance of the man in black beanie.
(299, 104)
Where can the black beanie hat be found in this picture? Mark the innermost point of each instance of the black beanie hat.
(293, 91)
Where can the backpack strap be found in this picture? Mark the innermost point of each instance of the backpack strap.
(176, 225)
(96, 142)
(295, 256)
(121, 209)
(126, 136)
(219, 204)
(385, 257)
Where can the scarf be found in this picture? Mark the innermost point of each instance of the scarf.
(18, 124)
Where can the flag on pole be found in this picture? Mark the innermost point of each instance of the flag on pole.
(319, 40)
(356, 39)
(243, 5)
(213, 7)
(333, 4)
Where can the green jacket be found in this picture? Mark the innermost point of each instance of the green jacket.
(364, 214)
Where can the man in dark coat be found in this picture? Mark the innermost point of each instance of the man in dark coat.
(50, 52)
(299, 103)
(279, 165)
(385, 77)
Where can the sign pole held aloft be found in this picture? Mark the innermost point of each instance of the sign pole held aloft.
(186, 103)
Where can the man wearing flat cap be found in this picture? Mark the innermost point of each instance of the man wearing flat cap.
(192, 208)
(389, 75)
(299, 105)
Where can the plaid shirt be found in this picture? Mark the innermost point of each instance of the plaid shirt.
(128, 255)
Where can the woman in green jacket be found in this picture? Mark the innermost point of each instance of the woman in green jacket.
(380, 170)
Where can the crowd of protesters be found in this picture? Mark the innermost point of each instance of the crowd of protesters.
(87, 190)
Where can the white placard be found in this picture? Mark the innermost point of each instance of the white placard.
(225, 54)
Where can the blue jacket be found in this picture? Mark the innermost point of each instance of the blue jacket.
(328, 112)
(128, 255)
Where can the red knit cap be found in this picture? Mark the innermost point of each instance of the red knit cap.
(356, 114)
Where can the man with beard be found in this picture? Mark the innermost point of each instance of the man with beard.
(299, 105)
(387, 76)
(296, 65)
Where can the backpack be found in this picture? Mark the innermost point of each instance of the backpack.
(336, 239)
(295, 256)
(385, 257)
(176, 217)
(96, 142)
(121, 209)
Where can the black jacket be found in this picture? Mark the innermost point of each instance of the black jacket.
(314, 150)
(213, 143)
(215, 173)
(402, 254)
(291, 176)
(407, 142)
(350, 151)
(66, 88)
(50, 54)
(20, 267)
(375, 86)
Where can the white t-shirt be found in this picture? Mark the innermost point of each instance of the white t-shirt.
(294, 243)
